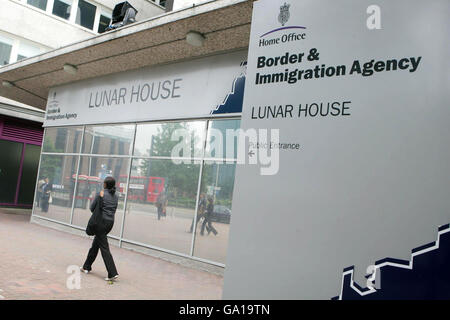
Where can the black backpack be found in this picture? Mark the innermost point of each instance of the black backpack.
(96, 218)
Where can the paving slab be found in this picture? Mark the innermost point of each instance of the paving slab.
(39, 263)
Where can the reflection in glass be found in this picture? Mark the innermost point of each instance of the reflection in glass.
(67, 140)
(5, 53)
(214, 216)
(9, 169)
(61, 8)
(41, 4)
(85, 14)
(222, 139)
(93, 170)
(60, 172)
(161, 204)
(162, 193)
(110, 140)
(155, 139)
(27, 50)
(29, 173)
(103, 23)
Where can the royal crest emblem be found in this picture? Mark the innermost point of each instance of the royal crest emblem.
(284, 15)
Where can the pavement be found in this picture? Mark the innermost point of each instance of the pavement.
(42, 263)
(143, 226)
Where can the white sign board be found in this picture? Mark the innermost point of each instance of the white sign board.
(361, 88)
(193, 89)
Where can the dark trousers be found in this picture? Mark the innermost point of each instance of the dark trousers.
(101, 242)
(44, 203)
(208, 225)
(199, 216)
(161, 213)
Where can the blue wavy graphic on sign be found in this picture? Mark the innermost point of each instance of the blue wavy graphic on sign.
(425, 276)
(233, 101)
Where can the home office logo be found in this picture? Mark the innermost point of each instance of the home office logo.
(54, 111)
(284, 15)
(272, 37)
(53, 103)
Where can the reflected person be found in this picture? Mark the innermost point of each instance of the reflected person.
(39, 192)
(200, 212)
(161, 204)
(46, 194)
(207, 218)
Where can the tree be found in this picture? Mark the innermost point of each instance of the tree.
(181, 179)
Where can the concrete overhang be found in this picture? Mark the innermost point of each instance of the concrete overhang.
(19, 110)
(159, 40)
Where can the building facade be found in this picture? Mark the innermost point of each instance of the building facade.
(120, 121)
(31, 27)
(140, 149)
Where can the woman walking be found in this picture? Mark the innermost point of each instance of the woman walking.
(110, 201)
(207, 218)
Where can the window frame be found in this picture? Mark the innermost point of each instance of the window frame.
(203, 160)
(96, 9)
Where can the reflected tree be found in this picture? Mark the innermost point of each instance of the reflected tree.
(49, 163)
(181, 179)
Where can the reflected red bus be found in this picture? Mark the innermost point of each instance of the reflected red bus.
(142, 188)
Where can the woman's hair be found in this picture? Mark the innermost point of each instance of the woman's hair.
(110, 184)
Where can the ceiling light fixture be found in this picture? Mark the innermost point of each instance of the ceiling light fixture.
(70, 68)
(195, 38)
(7, 84)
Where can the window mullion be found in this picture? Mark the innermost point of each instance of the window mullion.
(50, 4)
(97, 19)
(73, 11)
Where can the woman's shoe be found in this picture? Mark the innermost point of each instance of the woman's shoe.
(83, 270)
(112, 278)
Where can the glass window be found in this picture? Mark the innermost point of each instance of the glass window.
(222, 140)
(93, 170)
(67, 139)
(54, 193)
(9, 169)
(214, 211)
(41, 4)
(61, 8)
(161, 204)
(86, 14)
(162, 3)
(162, 192)
(184, 139)
(29, 174)
(104, 23)
(27, 50)
(111, 140)
(5, 50)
